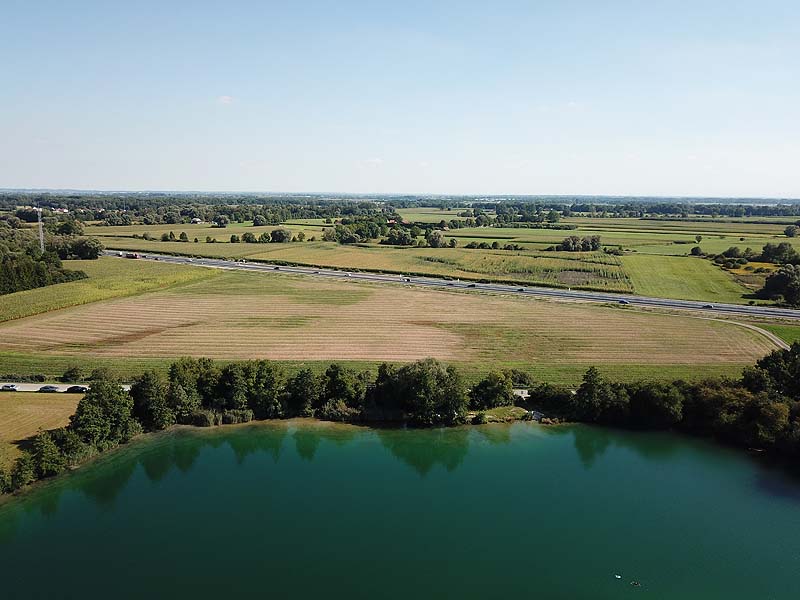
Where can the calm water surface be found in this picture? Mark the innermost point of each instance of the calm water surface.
(312, 510)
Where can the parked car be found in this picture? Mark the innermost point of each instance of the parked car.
(9, 387)
(48, 389)
(77, 389)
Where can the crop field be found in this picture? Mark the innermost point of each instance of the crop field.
(301, 320)
(107, 278)
(22, 414)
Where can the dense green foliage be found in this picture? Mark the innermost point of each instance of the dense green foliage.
(760, 410)
(23, 266)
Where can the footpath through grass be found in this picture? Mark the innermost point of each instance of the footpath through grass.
(108, 278)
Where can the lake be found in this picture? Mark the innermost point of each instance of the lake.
(308, 509)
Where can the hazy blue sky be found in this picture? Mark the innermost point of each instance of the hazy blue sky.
(596, 97)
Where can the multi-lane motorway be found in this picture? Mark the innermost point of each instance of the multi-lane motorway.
(601, 297)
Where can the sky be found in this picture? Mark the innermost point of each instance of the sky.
(691, 98)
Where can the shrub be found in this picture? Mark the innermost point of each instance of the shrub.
(232, 417)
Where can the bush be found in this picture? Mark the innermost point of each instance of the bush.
(336, 410)
(203, 418)
(72, 374)
(232, 417)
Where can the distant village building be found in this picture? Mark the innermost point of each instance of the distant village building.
(196, 221)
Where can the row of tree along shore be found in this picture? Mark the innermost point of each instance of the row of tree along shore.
(759, 410)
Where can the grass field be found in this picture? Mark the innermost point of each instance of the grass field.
(301, 320)
(788, 333)
(23, 414)
(108, 278)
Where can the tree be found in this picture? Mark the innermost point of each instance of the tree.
(342, 384)
(72, 375)
(87, 248)
(328, 234)
(452, 243)
(698, 238)
(435, 239)
(220, 221)
(150, 405)
(164, 237)
(104, 417)
(259, 221)
(697, 251)
(70, 227)
(496, 389)
(249, 237)
(232, 388)
(655, 405)
(301, 236)
(265, 382)
(23, 472)
(597, 400)
(234, 239)
(783, 283)
(281, 236)
(791, 231)
(781, 369)
(47, 458)
(426, 391)
(184, 237)
(302, 393)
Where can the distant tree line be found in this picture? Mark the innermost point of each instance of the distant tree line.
(574, 243)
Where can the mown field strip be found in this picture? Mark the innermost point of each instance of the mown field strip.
(246, 315)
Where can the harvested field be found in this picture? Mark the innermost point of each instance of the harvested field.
(245, 315)
(23, 414)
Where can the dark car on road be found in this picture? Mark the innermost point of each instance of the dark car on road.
(9, 387)
(48, 389)
(77, 389)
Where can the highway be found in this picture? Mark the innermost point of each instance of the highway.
(434, 282)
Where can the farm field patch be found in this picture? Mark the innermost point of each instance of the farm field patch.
(302, 320)
(22, 414)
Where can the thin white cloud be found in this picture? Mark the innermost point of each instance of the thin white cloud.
(373, 162)
(225, 100)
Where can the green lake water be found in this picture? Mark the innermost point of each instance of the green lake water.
(302, 509)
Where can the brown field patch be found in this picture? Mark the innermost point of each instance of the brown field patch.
(244, 315)
(23, 414)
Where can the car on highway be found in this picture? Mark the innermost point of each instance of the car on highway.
(520, 289)
(708, 306)
(9, 387)
(349, 274)
(408, 279)
(77, 389)
(471, 285)
(276, 268)
(48, 389)
(316, 272)
(624, 302)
